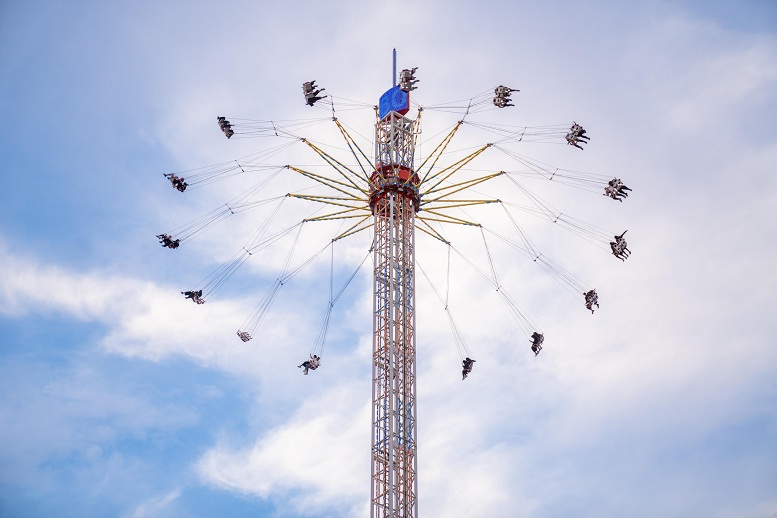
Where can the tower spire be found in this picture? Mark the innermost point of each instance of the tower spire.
(394, 77)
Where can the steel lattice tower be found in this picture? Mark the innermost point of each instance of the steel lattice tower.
(394, 199)
(392, 195)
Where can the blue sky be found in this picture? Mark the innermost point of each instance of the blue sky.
(119, 398)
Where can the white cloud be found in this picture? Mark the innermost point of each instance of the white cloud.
(156, 506)
(317, 453)
(143, 320)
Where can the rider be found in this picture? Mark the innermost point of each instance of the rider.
(466, 367)
(619, 247)
(311, 92)
(591, 299)
(537, 339)
(167, 240)
(572, 140)
(578, 131)
(196, 296)
(312, 364)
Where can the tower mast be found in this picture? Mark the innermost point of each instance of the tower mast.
(394, 200)
(394, 68)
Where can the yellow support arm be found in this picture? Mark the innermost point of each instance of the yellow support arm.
(455, 167)
(460, 186)
(443, 145)
(354, 230)
(432, 232)
(349, 140)
(448, 219)
(335, 215)
(452, 204)
(332, 200)
(324, 180)
(332, 161)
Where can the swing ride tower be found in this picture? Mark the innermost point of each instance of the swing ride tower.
(394, 196)
(394, 200)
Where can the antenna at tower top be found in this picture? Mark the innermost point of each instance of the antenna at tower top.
(394, 76)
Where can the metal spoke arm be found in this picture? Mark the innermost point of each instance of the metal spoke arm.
(439, 150)
(343, 214)
(452, 204)
(427, 229)
(351, 144)
(354, 230)
(454, 168)
(460, 186)
(334, 200)
(444, 218)
(333, 184)
(338, 166)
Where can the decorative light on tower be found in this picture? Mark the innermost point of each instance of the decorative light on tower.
(394, 200)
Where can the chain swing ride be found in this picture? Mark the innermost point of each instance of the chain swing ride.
(386, 193)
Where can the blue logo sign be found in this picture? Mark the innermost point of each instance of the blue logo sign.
(395, 100)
